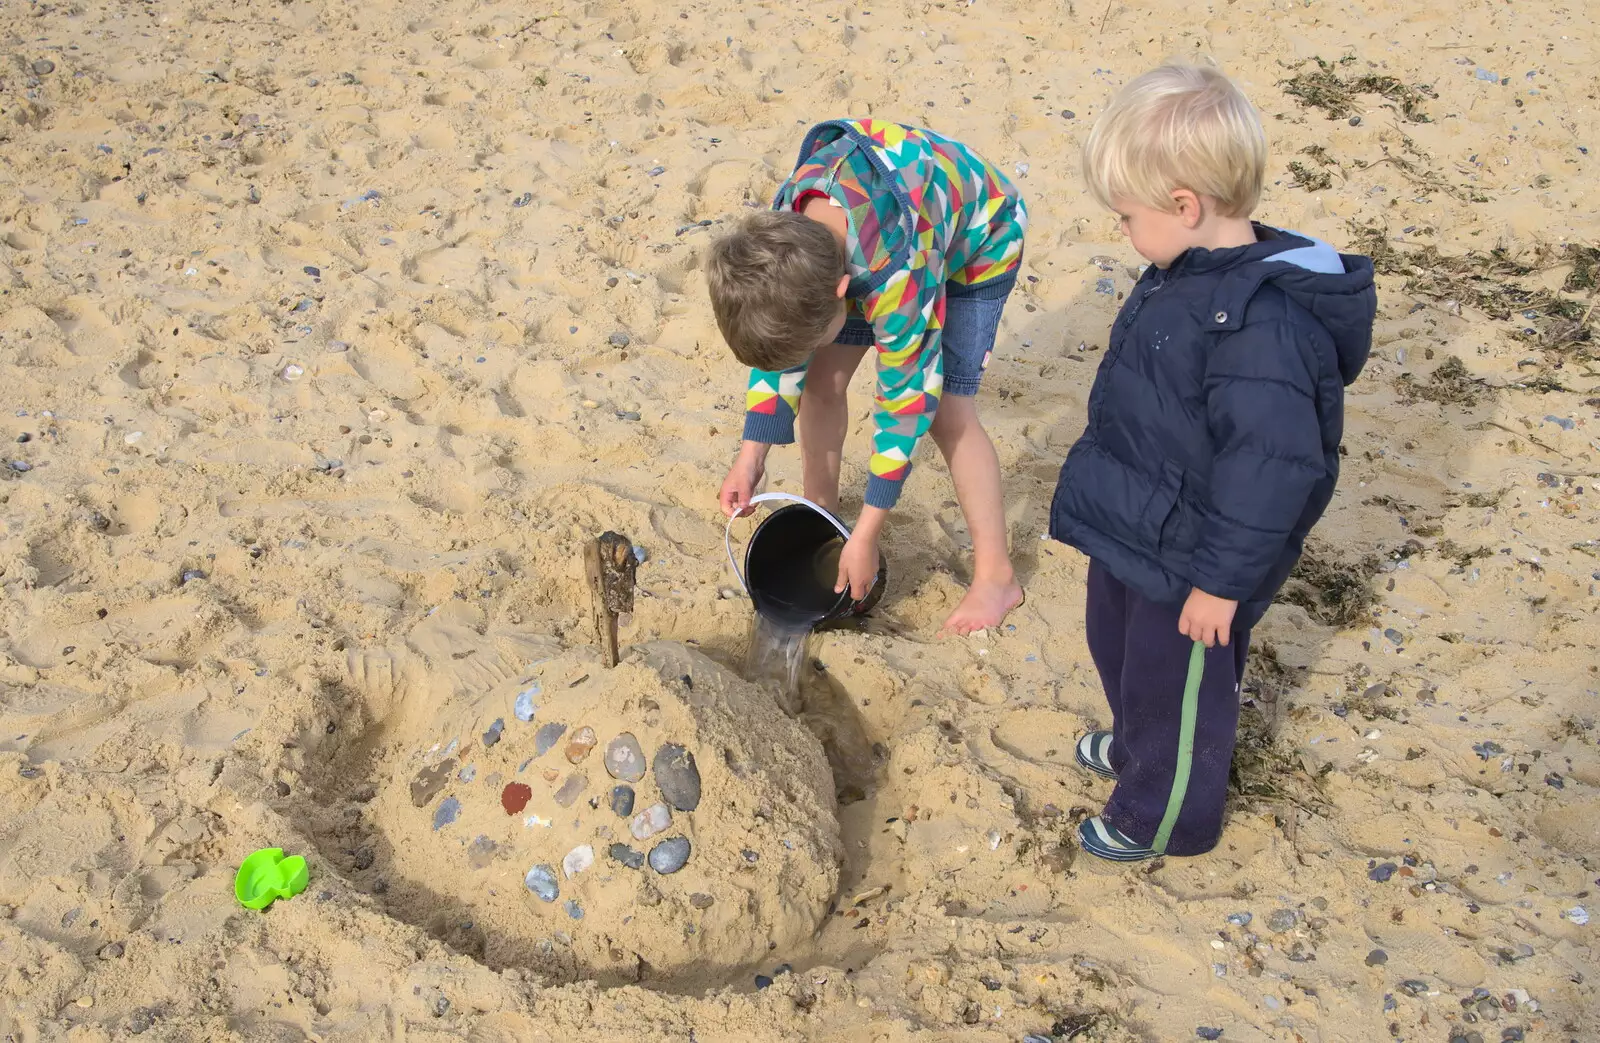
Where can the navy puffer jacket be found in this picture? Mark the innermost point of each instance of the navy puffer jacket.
(1214, 423)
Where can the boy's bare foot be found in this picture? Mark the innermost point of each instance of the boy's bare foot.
(985, 605)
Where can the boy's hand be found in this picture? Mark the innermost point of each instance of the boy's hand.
(746, 473)
(1207, 619)
(858, 565)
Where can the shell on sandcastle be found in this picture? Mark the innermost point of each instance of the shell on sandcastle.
(737, 777)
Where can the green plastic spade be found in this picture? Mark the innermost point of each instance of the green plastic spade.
(267, 876)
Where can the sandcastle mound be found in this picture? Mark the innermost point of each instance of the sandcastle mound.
(661, 818)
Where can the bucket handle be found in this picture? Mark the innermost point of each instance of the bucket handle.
(727, 533)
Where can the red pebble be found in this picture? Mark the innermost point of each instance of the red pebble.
(515, 797)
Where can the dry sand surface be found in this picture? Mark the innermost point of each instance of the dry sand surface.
(329, 332)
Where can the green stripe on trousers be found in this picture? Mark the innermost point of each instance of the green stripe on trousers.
(1180, 778)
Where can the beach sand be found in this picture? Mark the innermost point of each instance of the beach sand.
(334, 331)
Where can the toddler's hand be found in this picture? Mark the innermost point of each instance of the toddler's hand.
(858, 566)
(1207, 619)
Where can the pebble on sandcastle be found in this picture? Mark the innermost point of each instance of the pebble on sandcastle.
(665, 811)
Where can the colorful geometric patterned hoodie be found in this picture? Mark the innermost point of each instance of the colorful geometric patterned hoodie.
(922, 211)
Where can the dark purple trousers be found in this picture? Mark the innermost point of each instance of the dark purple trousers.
(1145, 663)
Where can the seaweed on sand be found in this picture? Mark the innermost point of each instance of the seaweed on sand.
(1268, 770)
(1485, 281)
(1335, 593)
(1336, 93)
(1448, 384)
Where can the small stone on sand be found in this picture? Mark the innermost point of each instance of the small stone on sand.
(568, 794)
(677, 776)
(670, 855)
(625, 758)
(515, 797)
(429, 781)
(581, 744)
(650, 821)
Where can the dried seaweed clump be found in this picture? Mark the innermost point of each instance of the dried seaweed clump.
(1336, 93)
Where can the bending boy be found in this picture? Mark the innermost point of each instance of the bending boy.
(891, 237)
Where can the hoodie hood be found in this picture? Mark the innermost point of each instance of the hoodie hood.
(1337, 289)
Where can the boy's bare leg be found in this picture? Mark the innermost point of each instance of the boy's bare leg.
(824, 419)
(976, 472)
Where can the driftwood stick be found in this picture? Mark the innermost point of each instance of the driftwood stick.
(610, 564)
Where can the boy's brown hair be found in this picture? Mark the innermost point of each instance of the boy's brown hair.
(774, 287)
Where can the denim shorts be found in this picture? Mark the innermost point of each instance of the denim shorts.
(971, 322)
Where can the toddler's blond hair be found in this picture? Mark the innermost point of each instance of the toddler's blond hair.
(1182, 125)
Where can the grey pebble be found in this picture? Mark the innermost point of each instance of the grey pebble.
(449, 808)
(1377, 958)
(656, 171)
(619, 340)
(570, 790)
(43, 67)
(650, 821)
(1205, 1032)
(624, 758)
(468, 773)
(140, 1022)
(1382, 873)
(21, 466)
(1414, 987)
(1488, 749)
(762, 981)
(364, 858)
(541, 880)
(622, 801)
(1240, 919)
(1280, 920)
(492, 736)
(1068, 114)
(441, 1007)
(1459, 1036)
(574, 910)
(429, 781)
(632, 415)
(750, 856)
(1512, 1034)
(313, 271)
(525, 706)
(677, 776)
(112, 951)
(523, 200)
(700, 900)
(1394, 636)
(670, 855)
(546, 737)
(626, 855)
(481, 852)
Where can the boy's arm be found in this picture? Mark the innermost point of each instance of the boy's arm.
(907, 316)
(1261, 409)
(771, 401)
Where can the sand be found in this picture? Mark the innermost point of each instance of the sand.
(335, 332)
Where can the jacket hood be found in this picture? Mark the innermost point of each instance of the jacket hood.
(1337, 289)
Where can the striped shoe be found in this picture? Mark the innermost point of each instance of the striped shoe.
(1103, 840)
(1094, 753)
